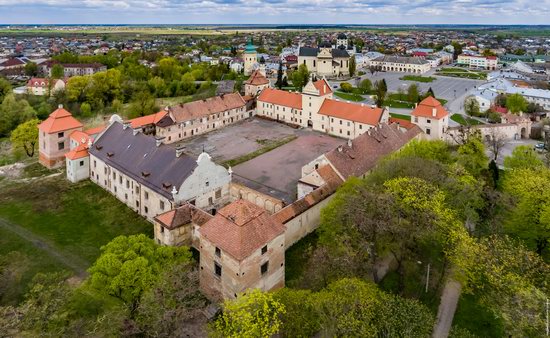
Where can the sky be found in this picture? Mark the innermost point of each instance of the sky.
(501, 12)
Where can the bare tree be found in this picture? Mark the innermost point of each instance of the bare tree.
(496, 140)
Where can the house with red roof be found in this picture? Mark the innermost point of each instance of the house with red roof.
(255, 83)
(41, 86)
(54, 136)
(431, 117)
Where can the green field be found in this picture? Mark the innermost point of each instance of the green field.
(349, 96)
(468, 121)
(418, 78)
(401, 116)
(75, 220)
(462, 73)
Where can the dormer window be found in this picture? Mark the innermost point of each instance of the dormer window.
(145, 173)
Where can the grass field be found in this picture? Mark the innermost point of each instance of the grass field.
(418, 78)
(401, 116)
(462, 73)
(73, 218)
(172, 101)
(349, 96)
(468, 121)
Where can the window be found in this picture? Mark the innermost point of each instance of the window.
(428, 121)
(210, 201)
(125, 196)
(207, 183)
(146, 195)
(264, 249)
(218, 252)
(146, 210)
(127, 184)
(428, 131)
(217, 269)
(95, 163)
(161, 229)
(161, 205)
(61, 146)
(120, 179)
(137, 189)
(61, 134)
(81, 163)
(264, 268)
(340, 122)
(114, 175)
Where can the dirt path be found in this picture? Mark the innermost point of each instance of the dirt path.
(69, 260)
(447, 308)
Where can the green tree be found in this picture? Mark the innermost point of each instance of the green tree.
(254, 314)
(352, 66)
(523, 157)
(86, 109)
(301, 318)
(77, 87)
(346, 87)
(5, 88)
(25, 137)
(457, 49)
(380, 89)
(13, 112)
(31, 69)
(300, 77)
(57, 71)
(471, 155)
(516, 103)
(365, 86)
(130, 265)
(412, 93)
(471, 106)
(279, 83)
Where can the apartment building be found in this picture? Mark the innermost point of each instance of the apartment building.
(478, 61)
(405, 64)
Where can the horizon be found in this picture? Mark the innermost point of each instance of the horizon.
(217, 12)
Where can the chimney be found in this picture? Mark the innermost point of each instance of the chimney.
(340, 148)
(125, 125)
(158, 141)
(434, 112)
(60, 106)
(350, 143)
(373, 106)
(179, 150)
(136, 130)
(362, 104)
(324, 88)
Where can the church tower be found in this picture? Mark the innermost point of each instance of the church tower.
(250, 58)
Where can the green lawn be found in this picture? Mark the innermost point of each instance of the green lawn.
(349, 96)
(468, 121)
(462, 73)
(418, 78)
(73, 218)
(401, 116)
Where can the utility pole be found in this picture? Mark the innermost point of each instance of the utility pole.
(428, 280)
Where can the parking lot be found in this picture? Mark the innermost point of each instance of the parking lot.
(509, 148)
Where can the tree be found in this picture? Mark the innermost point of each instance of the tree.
(365, 86)
(279, 83)
(496, 141)
(430, 92)
(5, 88)
(471, 106)
(77, 87)
(253, 314)
(412, 93)
(57, 71)
(457, 49)
(471, 155)
(346, 87)
(300, 77)
(301, 317)
(130, 265)
(175, 299)
(13, 112)
(352, 66)
(523, 157)
(516, 103)
(494, 117)
(380, 89)
(26, 136)
(31, 69)
(86, 109)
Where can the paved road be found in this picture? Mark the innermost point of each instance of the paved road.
(67, 259)
(447, 308)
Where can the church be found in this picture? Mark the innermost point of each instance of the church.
(325, 60)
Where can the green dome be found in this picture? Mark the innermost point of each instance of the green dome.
(249, 47)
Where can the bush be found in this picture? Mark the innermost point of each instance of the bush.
(346, 87)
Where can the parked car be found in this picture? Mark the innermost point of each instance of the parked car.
(540, 146)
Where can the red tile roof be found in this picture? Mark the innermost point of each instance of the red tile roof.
(80, 137)
(240, 228)
(94, 131)
(368, 148)
(430, 107)
(281, 98)
(352, 112)
(12, 62)
(257, 79)
(323, 87)
(402, 123)
(59, 120)
(200, 108)
(79, 151)
(147, 119)
(183, 215)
